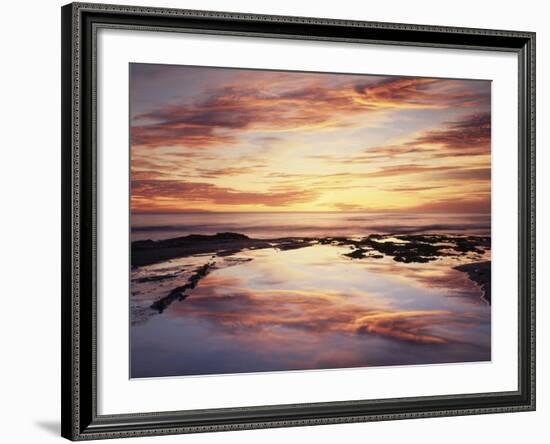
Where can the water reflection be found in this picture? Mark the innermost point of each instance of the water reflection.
(309, 308)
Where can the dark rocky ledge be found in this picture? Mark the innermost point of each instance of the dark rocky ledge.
(480, 273)
(413, 247)
(403, 248)
(149, 252)
(178, 293)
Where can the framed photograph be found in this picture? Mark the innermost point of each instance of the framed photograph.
(281, 221)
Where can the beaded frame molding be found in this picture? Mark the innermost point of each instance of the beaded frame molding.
(80, 22)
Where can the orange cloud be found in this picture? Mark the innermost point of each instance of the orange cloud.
(415, 92)
(401, 170)
(229, 171)
(227, 112)
(466, 137)
(469, 136)
(266, 129)
(193, 192)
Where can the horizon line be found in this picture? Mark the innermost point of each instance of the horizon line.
(305, 211)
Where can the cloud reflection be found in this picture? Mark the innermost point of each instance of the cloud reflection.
(231, 307)
(313, 308)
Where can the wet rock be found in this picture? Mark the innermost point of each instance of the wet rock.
(150, 252)
(414, 258)
(156, 278)
(419, 248)
(480, 273)
(356, 254)
(178, 293)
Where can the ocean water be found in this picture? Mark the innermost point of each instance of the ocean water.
(306, 308)
(275, 225)
(310, 308)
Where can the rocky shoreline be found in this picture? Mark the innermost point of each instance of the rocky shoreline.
(179, 293)
(480, 273)
(403, 248)
(150, 252)
(406, 248)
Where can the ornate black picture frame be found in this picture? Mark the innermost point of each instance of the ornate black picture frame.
(80, 22)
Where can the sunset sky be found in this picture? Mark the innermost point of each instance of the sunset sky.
(217, 139)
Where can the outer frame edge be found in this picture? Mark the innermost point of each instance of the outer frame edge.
(67, 325)
(71, 35)
(92, 433)
(228, 15)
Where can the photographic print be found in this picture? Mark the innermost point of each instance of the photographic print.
(285, 220)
